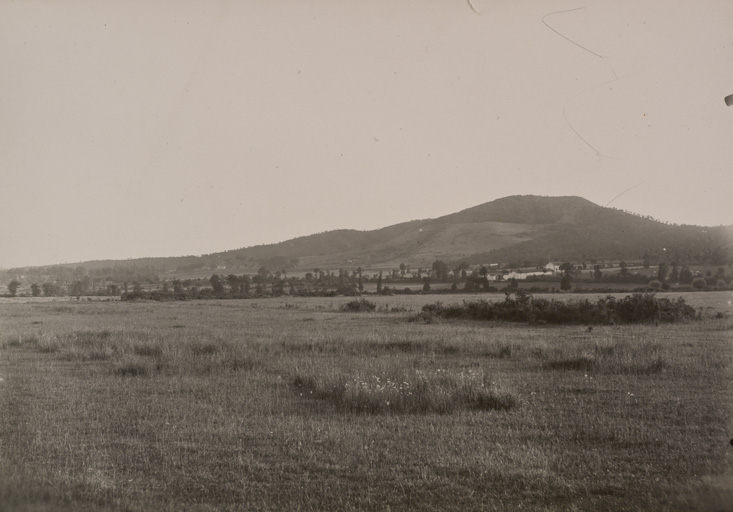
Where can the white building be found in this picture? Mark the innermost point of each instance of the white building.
(553, 267)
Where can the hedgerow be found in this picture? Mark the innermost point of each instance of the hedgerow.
(523, 307)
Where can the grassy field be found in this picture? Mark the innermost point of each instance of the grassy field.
(290, 404)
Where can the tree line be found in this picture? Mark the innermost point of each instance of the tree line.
(461, 276)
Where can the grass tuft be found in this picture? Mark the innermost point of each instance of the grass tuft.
(131, 370)
(413, 346)
(417, 392)
(148, 350)
(619, 359)
(239, 363)
(19, 340)
(48, 347)
(582, 363)
(204, 349)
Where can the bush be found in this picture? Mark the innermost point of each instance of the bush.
(359, 306)
(699, 283)
(637, 308)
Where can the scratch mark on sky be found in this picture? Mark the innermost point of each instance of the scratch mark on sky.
(564, 107)
(567, 121)
(566, 37)
(622, 193)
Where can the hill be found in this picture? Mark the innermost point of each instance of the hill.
(522, 229)
(517, 230)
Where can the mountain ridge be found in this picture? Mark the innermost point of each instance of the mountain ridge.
(518, 229)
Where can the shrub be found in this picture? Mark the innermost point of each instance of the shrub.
(359, 306)
(699, 283)
(637, 308)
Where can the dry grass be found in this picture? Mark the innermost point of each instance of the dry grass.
(396, 391)
(208, 406)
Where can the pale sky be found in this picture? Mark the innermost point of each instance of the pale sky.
(162, 128)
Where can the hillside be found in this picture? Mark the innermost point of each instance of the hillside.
(524, 229)
(518, 229)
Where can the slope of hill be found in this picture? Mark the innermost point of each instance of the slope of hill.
(522, 229)
(525, 229)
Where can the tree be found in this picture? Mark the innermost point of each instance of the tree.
(77, 288)
(278, 287)
(441, 269)
(646, 260)
(662, 272)
(379, 282)
(426, 286)
(13, 287)
(624, 269)
(217, 284)
(233, 282)
(245, 283)
(597, 274)
(50, 289)
(565, 283)
(685, 275)
(567, 267)
(699, 283)
(403, 269)
(35, 290)
(675, 274)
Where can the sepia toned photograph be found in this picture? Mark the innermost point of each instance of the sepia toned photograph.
(377, 255)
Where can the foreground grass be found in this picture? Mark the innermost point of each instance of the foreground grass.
(242, 405)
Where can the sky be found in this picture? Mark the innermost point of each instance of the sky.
(174, 127)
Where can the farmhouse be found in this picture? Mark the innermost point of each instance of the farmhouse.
(552, 267)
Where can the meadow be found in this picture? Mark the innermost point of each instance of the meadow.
(293, 404)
